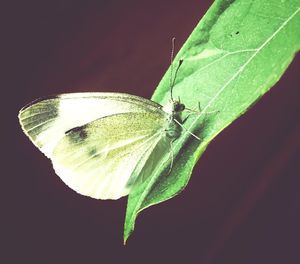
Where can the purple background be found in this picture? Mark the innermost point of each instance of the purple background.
(242, 203)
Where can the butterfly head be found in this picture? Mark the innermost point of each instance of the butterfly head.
(174, 108)
(177, 107)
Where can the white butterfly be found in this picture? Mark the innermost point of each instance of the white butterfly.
(102, 144)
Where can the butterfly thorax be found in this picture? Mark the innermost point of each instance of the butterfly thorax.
(174, 111)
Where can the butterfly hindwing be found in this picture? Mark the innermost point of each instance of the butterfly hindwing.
(104, 158)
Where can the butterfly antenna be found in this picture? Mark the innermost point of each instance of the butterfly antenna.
(172, 80)
(175, 75)
(171, 62)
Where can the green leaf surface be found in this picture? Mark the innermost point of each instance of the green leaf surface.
(237, 52)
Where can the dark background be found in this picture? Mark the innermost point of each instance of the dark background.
(242, 203)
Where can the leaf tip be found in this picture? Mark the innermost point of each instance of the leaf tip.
(126, 235)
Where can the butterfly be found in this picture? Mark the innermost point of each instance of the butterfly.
(102, 145)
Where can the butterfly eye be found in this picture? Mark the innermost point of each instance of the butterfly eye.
(179, 107)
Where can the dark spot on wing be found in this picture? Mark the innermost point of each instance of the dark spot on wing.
(77, 134)
(93, 152)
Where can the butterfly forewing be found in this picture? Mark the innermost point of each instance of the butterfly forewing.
(46, 120)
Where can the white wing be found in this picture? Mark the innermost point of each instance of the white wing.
(46, 120)
(105, 158)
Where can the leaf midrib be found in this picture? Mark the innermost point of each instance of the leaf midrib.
(239, 71)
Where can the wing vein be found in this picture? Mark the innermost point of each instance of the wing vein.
(40, 124)
(33, 115)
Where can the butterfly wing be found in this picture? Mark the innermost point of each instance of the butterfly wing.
(105, 158)
(46, 120)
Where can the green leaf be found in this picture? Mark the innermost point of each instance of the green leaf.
(237, 52)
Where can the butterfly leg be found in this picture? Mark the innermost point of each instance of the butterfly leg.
(210, 112)
(187, 130)
(186, 118)
(199, 110)
(171, 157)
(199, 107)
